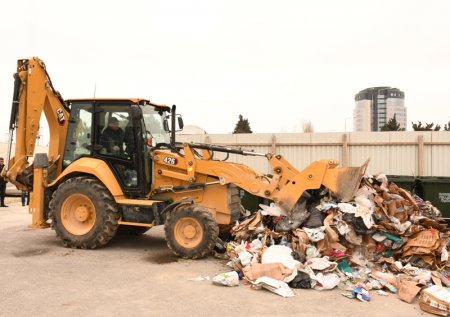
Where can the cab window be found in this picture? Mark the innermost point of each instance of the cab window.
(79, 134)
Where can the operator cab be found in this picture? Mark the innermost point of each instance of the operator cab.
(120, 132)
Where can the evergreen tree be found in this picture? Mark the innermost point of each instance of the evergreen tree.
(242, 126)
(447, 126)
(392, 125)
(427, 127)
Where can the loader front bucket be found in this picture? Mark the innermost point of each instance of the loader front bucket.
(343, 182)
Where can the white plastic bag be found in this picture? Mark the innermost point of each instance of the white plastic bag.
(273, 209)
(347, 208)
(226, 279)
(327, 281)
(275, 286)
(279, 254)
(245, 258)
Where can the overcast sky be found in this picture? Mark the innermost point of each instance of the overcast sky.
(278, 63)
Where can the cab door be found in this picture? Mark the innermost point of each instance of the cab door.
(115, 141)
(79, 134)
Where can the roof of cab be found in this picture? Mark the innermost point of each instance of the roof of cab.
(133, 100)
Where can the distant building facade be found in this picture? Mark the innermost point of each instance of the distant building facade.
(375, 106)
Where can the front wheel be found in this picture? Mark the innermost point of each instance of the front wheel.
(191, 231)
(83, 213)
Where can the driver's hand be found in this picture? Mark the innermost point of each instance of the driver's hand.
(116, 148)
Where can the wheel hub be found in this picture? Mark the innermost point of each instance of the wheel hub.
(188, 232)
(78, 214)
(81, 213)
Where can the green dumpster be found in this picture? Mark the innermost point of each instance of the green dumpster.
(436, 190)
(250, 202)
(402, 181)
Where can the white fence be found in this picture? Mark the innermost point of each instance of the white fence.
(422, 153)
(395, 153)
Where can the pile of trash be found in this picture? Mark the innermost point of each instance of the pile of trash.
(386, 240)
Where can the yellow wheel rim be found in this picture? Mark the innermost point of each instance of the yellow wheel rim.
(78, 214)
(188, 232)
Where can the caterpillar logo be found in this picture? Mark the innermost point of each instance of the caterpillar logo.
(60, 115)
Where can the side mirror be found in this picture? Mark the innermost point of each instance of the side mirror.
(168, 128)
(180, 122)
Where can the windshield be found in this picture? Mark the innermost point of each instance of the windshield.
(153, 118)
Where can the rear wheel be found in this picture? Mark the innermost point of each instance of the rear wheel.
(83, 213)
(191, 231)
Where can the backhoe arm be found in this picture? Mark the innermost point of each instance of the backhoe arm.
(285, 186)
(34, 94)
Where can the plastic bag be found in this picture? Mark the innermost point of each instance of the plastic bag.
(275, 286)
(226, 279)
(326, 281)
(347, 208)
(315, 218)
(280, 254)
(273, 210)
(301, 280)
(245, 258)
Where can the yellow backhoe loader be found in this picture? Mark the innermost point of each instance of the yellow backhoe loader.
(115, 163)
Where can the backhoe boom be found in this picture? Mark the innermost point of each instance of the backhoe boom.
(33, 95)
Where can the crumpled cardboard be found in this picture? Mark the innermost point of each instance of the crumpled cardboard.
(408, 198)
(443, 279)
(330, 234)
(423, 242)
(321, 264)
(243, 230)
(431, 309)
(300, 241)
(436, 300)
(386, 229)
(273, 270)
(407, 290)
(388, 277)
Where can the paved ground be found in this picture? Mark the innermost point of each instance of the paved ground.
(138, 276)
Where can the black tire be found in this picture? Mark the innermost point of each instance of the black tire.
(186, 220)
(79, 198)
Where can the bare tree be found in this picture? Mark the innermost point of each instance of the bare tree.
(308, 127)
